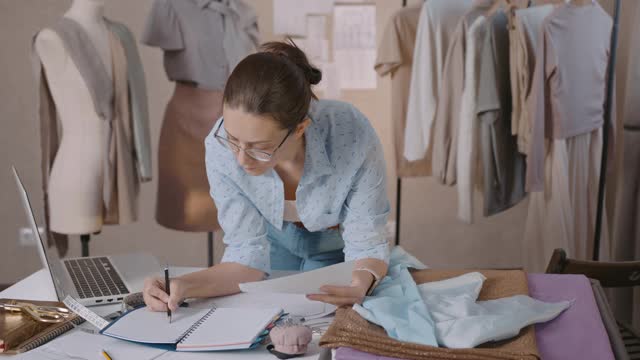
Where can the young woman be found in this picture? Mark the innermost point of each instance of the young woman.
(299, 183)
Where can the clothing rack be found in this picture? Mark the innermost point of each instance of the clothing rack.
(605, 141)
(399, 189)
(608, 104)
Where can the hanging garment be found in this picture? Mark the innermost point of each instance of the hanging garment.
(503, 167)
(467, 152)
(523, 37)
(395, 58)
(241, 35)
(123, 157)
(626, 239)
(447, 120)
(569, 81)
(138, 100)
(202, 39)
(438, 20)
(183, 199)
(563, 216)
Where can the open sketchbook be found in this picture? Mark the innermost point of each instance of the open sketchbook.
(195, 329)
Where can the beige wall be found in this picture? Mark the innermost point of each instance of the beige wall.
(429, 227)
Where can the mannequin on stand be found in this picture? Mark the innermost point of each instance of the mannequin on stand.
(202, 42)
(89, 173)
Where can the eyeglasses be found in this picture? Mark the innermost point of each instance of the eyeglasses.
(259, 155)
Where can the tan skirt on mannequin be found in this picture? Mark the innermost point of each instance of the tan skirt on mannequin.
(563, 216)
(183, 201)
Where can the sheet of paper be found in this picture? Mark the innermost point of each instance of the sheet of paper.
(153, 327)
(316, 49)
(354, 45)
(290, 16)
(79, 345)
(317, 26)
(356, 68)
(304, 283)
(330, 84)
(294, 304)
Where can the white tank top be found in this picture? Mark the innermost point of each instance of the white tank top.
(290, 211)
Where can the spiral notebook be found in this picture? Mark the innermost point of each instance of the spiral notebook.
(213, 329)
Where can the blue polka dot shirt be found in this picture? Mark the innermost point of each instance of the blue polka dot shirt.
(343, 183)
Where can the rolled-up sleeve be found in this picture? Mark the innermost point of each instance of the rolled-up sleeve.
(245, 231)
(367, 209)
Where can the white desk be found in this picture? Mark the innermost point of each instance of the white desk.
(38, 286)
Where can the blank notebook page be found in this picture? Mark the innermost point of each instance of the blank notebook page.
(142, 325)
(228, 328)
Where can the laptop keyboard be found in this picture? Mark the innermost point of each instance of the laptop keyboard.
(95, 277)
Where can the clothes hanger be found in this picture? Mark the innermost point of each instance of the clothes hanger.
(581, 2)
(506, 4)
(549, 2)
(497, 4)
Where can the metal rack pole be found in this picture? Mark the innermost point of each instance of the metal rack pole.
(605, 131)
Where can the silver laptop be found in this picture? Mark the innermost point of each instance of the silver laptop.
(94, 280)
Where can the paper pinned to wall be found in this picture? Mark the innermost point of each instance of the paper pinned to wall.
(317, 26)
(317, 50)
(330, 84)
(354, 45)
(290, 16)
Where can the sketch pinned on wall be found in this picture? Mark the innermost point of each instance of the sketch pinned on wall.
(354, 45)
(290, 16)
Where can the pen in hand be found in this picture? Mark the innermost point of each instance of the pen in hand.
(167, 289)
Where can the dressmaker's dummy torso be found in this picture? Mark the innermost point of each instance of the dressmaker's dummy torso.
(77, 176)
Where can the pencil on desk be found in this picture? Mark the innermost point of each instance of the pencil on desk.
(106, 356)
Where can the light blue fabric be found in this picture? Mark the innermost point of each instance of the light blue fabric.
(396, 304)
(463, 322)
(297, 249)
(343, 183)
(446, 312)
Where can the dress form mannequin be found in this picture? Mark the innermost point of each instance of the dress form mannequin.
(76, 179)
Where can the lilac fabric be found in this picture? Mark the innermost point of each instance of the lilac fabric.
(578, 333)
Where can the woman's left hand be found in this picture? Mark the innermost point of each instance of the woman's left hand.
(345, 295)
(340, 295)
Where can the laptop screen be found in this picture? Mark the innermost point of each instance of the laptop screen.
(48, 254)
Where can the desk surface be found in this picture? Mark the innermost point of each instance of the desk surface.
(38, 286)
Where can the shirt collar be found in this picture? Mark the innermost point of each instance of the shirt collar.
(316, 161)
(213, 4)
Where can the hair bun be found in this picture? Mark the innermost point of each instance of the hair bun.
(313, 75)
(290, 51)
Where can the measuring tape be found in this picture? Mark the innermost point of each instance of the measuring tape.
(82, 311)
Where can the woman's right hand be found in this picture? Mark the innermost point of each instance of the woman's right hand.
(157, 299)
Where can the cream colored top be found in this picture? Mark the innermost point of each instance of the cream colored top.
(290, 211)
(569, 81)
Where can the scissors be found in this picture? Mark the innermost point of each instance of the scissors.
(41, 313)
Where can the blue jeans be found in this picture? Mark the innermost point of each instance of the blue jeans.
(295, 248)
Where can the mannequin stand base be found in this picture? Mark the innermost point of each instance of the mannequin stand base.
(84, 241)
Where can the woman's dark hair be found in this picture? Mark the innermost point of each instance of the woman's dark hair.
(275, 81)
